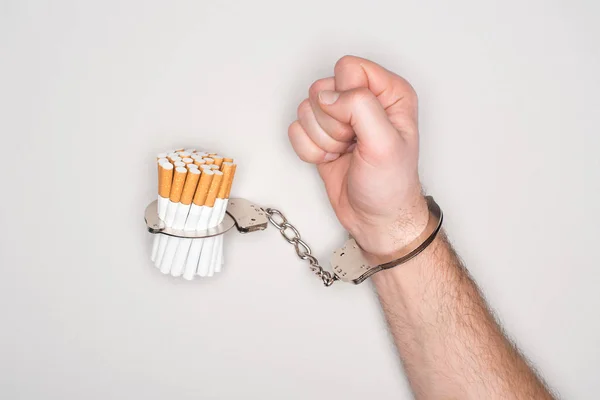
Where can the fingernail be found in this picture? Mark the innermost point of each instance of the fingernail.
(331, 156)
(328, 96)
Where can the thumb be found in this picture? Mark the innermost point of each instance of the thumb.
(360, 109)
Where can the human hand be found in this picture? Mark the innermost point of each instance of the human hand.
(360, 128)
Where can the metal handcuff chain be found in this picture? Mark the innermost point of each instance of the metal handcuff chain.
(293, 237)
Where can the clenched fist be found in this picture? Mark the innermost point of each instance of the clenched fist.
(360, 127)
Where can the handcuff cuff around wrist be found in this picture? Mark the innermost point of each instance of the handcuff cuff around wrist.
(349, 262)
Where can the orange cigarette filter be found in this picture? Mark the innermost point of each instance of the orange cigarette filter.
(199, 162)
(231, 181)
(206, 178)
(227, 159)
(209, 161)
(177, 186)
(187, 160)
(189, 188)
(214, 189)
(165, 179)
(218, 160)
(228, 170)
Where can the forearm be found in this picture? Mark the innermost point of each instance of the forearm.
(450, 344)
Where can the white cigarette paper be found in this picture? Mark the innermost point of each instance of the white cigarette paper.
(196, 245)
(206, 264)
(218, 252)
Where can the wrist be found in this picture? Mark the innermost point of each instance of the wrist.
(410, 278)
(360, 263)
(382, 241)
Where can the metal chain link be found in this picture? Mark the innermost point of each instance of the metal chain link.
(291, 234)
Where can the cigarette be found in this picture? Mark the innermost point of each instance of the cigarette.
(165, 179)
(209, 161)
(178, 182)
(228, 170)
(216, 218)
(173, 260)
(206, 254)
(203, 187)
(188, 251)
(204, 199)
(218, 160)
(228, 160)
(187, 160)
(173, 157)
(220, 260)
(191, 166)
(189, 188)
(199, 162)
(178, 150)
(179, 163)
(212, 154)
(184, 154)
(213, 190)
(155, 247)
(231, 181)
(191, 151)
(161, 155)
(181, 211)
(165, 251)
(162, 160)
(211, 256)
(162, 246)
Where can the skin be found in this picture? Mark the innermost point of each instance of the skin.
(360, 128)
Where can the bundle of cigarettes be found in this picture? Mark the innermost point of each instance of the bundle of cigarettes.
(193, 190)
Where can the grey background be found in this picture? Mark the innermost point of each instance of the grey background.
(90, 91)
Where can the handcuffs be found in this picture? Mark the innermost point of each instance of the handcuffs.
(349, 263)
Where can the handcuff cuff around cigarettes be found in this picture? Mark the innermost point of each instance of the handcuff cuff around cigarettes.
(349, 263)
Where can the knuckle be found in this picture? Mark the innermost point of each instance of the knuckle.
(293, 128)
(342, 133)
(309, 156)
(346, 61)
(306, 153)
(304, 107)
(318, 86)
(410, 92)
